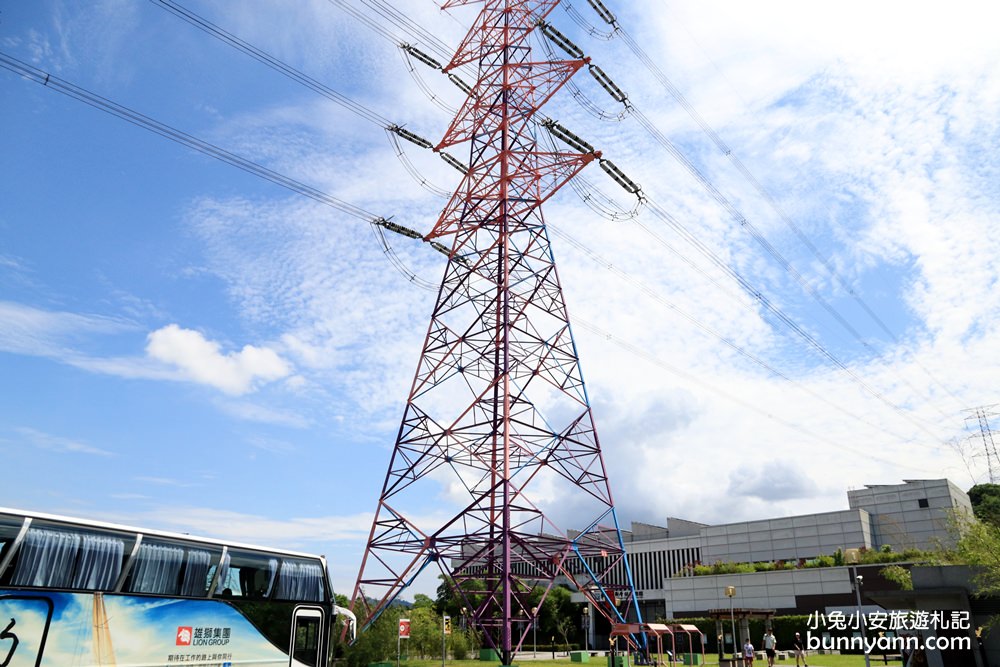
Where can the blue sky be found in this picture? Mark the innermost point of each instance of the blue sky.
(186, 346)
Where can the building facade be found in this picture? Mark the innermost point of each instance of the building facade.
(914, 514)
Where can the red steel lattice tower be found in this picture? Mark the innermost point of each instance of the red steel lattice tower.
(498, 417)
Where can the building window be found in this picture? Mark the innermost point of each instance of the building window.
(922, 502)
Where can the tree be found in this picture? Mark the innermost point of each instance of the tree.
(423, 601)
(558, 614)
(898, 575)
(377, 643)
(985, 500)
(979, 546)
(425, 630)
(450, 602)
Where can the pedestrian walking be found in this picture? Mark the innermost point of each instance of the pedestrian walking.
(800, 650)
(770, 646)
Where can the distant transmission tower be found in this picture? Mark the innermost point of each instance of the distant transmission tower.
(982, 415)
(498, 419)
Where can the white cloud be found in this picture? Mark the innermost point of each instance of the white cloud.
(29, 330)
(200, 360)
(290, 532)
(264, 414)
(172, 352)
(59, 444)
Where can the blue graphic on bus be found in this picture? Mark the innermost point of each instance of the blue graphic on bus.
(57, 629)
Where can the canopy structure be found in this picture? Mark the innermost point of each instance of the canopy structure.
(657, 631)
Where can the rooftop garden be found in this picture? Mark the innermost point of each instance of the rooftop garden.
(882, 556)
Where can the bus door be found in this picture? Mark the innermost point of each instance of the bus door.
(306, 648)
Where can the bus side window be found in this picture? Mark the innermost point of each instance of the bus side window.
(300, 580)
(9, 528)
(68, 559)
(198, 572)
(157, 569)
(248, 575)
(169, 568)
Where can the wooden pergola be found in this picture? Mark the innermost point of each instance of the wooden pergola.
(658, 631)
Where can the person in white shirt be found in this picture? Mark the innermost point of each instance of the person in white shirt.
(748, 654)
(770, 645)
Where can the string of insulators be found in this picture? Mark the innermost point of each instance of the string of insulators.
(612, 170)
(561, 40)
(410, 136)
(453, 161)
(443, 249)
(421, 56)
(571, 139)
(434, 64)
(457, 80)
(412, 234)
(604, 12)
(398, 229)
(607, 84)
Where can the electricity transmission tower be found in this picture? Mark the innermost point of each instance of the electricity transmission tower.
(498, 422)
(982, 415)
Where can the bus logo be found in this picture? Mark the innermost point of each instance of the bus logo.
(184, 635)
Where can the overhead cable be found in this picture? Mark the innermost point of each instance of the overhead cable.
(609, 18)
(619, 95)
(66, 88)
(272, 62)
(779, 314)
(588, 27)
(656, 296)
(141, 120)
(578, 95)
(734, 212)
(311, 83)
(698, 379)
(408, 52)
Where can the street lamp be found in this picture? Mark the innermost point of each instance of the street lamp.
(534, 632)
(731, 593)
(586, 628)
(853, 556)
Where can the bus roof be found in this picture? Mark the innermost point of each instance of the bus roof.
(89, 523)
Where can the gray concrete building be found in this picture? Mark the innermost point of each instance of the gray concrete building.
(914, 514)
(910, 515)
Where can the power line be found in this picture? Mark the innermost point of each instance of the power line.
(393, 130)
(778, 313)
(372, 116)
(708, 330)
(735, 213)
(616, 29)
(645, 354)
(661, 213)
(96, 101)
(103, 104)
(242, 45)
(415, 30)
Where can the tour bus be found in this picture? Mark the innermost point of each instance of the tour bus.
(77, 593)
